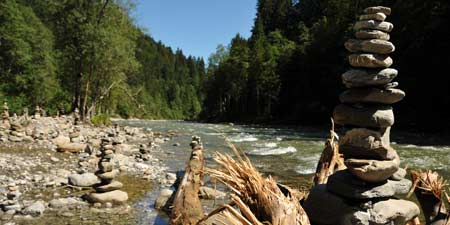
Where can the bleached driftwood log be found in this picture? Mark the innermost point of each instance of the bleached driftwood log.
(187, 208)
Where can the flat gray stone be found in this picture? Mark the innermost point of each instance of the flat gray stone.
(365, 78)
(115, 197)
(373, 171)
(379, 16)
(362, 143)
(372, 95)
(163, 198)
(399, 175)
(108, 175)
(83, 180)
(115, 185)
(370, 60)
(378, 9)
(373, 25)
(370, 46)
(370, 116)
(394, 211)
(344, 184)
(372, 34)
(36, 209)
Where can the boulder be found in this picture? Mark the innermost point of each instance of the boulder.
(344, 184)
(83, 180)
(372, 95)
(72, 147)
(61, 140)
(373, 25)
(362, 143)
(36, 209)
(372, 34)
(378, 9)
(375, 16)
(371, 46)
(115, 197)
(330, 214)
(163, 197)
(373, 171)
(370, 116)
(211, 193)
(115, 185)
(390, 211)
(370, 60)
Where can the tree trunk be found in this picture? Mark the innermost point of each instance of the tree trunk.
(77, 92)
(187, 208)
(85, 99)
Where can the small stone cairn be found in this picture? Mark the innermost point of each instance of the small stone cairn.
(5, 117)
(11, 204)
(37, 112)
(109, 189)
(363, 193)
(76, 116)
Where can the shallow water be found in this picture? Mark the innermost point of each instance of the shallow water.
(288, 154)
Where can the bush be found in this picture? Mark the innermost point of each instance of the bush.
(101, 120)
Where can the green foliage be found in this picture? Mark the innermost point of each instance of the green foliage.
(90, 55)
(101, 120)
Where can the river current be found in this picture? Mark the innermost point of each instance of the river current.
(288, 154)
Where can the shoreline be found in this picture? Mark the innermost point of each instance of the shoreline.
(38, 163)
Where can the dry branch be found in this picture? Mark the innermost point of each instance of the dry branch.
(259, 199)
(330, 160)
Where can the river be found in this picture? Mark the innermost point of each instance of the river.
(289, 154)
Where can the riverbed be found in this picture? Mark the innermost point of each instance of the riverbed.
(288, 154)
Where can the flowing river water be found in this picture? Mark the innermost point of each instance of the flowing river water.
(289, 154)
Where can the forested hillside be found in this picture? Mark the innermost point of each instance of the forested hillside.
(90, 55)
(289, 69)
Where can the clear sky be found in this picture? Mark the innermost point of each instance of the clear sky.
(196, 26)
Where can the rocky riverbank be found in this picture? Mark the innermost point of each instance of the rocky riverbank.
(48, 165)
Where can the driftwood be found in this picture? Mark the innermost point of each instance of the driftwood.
(330, 160)
(187, 208)
(259, 200)
(429, 188)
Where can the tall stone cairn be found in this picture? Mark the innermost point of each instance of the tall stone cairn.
(363, 193)
(109, 189)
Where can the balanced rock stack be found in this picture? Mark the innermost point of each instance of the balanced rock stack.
(5, 117)
(363, 193)
(109, 189)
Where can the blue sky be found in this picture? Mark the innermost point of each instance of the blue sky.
(196, 26)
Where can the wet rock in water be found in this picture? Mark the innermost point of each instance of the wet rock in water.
(372, 95)
(83, 180)
(373, 25)
(370, 60)
(163, 197)
(378, 9)
(36, 209)
(372, 34)
(373, 171)
(344, 184)
(114, 185)
(65, 203)
(370, 116)
(371, 46)
(362, 143)
(379, 16)
(211, 193)
(116, 197)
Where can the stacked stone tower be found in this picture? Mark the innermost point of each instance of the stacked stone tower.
(364, 192)
(109, 189)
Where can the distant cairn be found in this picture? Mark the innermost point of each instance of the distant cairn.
(363, 193)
